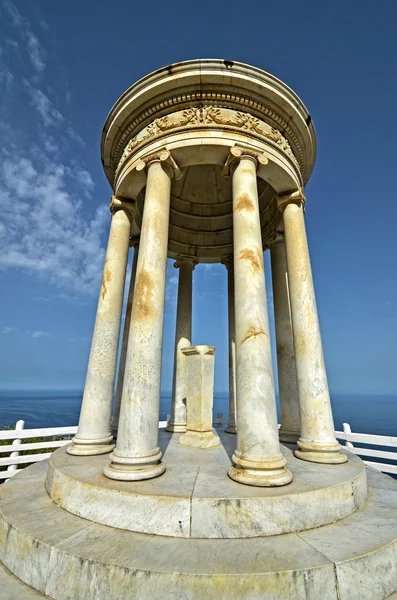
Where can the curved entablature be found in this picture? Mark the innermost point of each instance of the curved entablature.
(212, 95)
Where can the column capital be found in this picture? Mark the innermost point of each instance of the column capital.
(274, 238)
(118, 203)
(296, 197)
(134, 242)
(227, 261)
(185, 258)
(163, 156)
(236, 153)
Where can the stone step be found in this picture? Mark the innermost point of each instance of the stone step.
(69, 558)
(12, 588)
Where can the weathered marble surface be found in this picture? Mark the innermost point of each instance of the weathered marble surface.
(258, 460)
(12, 588)
(183, 338)
(199, 362)
(66, 557)
(195, 498)
(137, 455)
(317, 442)
(286, 367)
(93, 434)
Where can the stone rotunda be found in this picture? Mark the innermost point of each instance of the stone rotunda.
(208, 161)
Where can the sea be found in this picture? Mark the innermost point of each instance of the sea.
(376, 414)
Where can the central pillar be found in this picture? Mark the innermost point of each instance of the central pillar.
(183, 339)
(231, 424)
(286, 367)
(137, 455)
(200, 397)
(258, 459)
(317, 442)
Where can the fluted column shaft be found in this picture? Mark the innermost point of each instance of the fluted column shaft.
(183, 339)
(286, 367)
(317, 442)
(232, 422)
(137, 455)
(258, 459)
(124, 344)
(93, 434)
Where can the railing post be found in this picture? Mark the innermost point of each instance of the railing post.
(346, 429)
(17, 443)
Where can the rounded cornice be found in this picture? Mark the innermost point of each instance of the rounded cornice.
(200, 86)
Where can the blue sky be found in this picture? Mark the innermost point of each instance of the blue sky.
(64, 64)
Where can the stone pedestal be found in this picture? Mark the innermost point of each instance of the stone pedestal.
(199, 397)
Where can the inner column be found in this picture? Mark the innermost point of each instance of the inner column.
(231, 424)
(183, 339)
(137, 455)
(258, 459)
(286, 366)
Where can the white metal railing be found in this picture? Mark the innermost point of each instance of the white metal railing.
(371, 440)
(16, 447)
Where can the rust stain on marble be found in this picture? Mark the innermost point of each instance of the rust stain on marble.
(106, 279)
(244, 202)
(144, 308)
(254, 257)
(252, 332)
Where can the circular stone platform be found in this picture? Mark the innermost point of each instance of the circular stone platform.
(66, 557)
(195, 497)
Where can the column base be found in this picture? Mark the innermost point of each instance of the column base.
(317, 452)
(176, 427)
(260, 474)
(288, 436)
(87, 447)
(199, 439)
(129, 468)
(231, 427)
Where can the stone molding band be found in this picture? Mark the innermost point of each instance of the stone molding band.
(202, 118)
(216, 101)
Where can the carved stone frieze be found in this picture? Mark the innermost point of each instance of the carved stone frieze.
(203, 117)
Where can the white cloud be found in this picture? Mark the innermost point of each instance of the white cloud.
(7, 330)
(34, 48)
(49, 227)
(75, 137)
(36, 52)
(46, 232)
(50, 115)
(39, 334)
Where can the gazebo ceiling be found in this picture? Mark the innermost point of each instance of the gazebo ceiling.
(201, 217)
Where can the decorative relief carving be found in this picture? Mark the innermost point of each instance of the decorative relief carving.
(175, 101)
(207, 116)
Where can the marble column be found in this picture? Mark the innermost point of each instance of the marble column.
(137, 455)
(287, 379)
(231, 424)
(317, 442)
(183, 338)
(124, 344)
(258, 459)
(93, 434)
